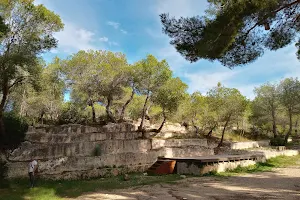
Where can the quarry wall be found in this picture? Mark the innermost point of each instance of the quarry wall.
(76, 151)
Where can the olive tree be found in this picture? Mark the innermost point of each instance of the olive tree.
(99, 77)
(229, 104)
(169, 97)
(153, 74)
(81, 77)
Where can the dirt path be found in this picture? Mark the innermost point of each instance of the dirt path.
(283, 183)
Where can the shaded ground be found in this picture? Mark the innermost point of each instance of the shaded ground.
(283, 183)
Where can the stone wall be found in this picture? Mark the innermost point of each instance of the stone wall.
(68, 151)
(197, 168)
(252, 144)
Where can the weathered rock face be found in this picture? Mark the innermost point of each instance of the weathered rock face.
(169, 130)
(76, 151)
(252, 144)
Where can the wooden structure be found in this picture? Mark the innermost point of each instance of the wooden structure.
(162, 166)
(165, 165)
(215, 158)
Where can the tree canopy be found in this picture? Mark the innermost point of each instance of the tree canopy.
(105, 88)
(228, 103)
(28, 32)
(235, 32)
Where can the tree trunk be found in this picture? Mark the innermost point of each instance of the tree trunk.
(2, 133)
(210, 132)
(91, 103)
(163, 123)
(159, 129)
(274, 123)
(42, 117)
(108, 112)
(296, 124)
(141, 127)
(243, 128)
(2, 126)
(147, 112)
(2, 105)
(290, 128)
(223, 132)
(93, 112)
(125, 105)
(196, 127)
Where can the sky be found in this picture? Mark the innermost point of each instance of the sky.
(133, 27)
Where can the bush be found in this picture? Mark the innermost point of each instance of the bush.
(278, 141)
(97, 150)
(70, 114)
(15, 129)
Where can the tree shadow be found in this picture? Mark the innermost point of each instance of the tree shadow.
(266, 185)
(47, 189)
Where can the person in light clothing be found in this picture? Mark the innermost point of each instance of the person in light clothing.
(32, 169)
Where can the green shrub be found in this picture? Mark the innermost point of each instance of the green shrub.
(278, 141)
(15, 129)
(97, 150)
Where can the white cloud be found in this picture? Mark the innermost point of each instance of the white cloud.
(74, 38)
(103, 39)
(116, 25)
(247, 90)
(203, 81)
(272, 67)
(168, 52)
(38, 2)
(123, 31)
(111, 43)
(54, 51)
(203, 75)
(176, 8)
(180, 8)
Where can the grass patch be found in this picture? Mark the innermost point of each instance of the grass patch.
(292, 144)
(285, 161)
(56, 190)
(277, 162)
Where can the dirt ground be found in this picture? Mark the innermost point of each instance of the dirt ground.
(283, 183)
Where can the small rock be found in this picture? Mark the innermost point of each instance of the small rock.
(182, 176)
(145, 174)
(126, 177)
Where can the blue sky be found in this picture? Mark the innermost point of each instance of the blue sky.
(133, 27)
